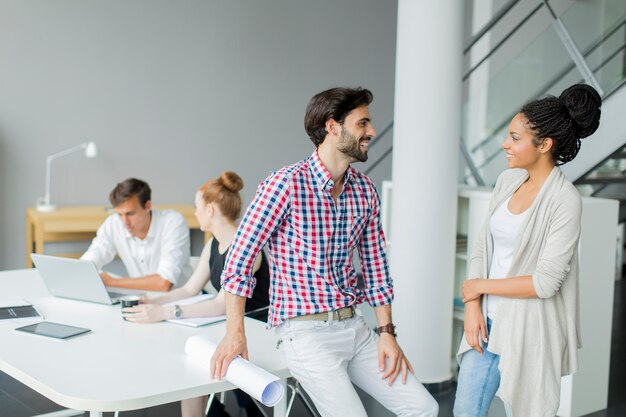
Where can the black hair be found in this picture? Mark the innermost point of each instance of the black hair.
(336, 104)
(127, 189)
(566, 119)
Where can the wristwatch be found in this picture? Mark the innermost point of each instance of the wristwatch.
(387, 328)
(178, 312)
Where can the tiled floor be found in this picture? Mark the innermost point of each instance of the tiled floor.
(16, 400)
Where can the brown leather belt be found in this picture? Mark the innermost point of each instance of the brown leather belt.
(340, 314)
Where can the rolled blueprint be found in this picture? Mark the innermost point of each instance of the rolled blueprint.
(256, 381)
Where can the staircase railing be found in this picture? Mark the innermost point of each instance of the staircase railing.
(575, 68)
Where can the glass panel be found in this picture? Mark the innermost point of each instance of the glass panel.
(530, 64)
(598, 28)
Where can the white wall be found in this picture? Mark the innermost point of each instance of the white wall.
(172, 92)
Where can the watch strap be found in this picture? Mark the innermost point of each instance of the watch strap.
(387, 328)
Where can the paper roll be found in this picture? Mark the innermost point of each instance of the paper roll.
(255, 381)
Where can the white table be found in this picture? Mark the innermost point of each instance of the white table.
(119, 365)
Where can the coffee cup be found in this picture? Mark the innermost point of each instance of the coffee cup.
(129, 301)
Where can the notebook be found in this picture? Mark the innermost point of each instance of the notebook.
(73, 278)
(18, 310)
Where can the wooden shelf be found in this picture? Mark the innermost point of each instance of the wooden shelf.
(80, 223)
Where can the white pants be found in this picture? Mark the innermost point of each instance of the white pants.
(328, 356)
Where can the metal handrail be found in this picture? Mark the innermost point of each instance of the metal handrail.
(557, 78)
(492, 22)
(602, 64)
(379, 160)
(615, 88)
(470, 163)
(497, 17)
(489, 25)
(491, 157)
(502, 41)
(610, 57)
(380, 135)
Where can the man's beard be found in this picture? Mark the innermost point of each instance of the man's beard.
(349, 145)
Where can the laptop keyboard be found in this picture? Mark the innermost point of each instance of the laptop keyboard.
(115, 295)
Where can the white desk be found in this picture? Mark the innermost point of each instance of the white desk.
(119, 365)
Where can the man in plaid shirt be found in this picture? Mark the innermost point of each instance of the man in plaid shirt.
(312, 215)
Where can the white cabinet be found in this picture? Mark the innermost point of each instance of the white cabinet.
(473, 206)
(587, 390)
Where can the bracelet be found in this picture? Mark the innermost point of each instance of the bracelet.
(387, 328)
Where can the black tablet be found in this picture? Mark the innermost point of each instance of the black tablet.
(56, 330)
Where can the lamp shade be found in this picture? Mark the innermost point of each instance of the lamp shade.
(91, 150)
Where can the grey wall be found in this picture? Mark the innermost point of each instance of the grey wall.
(172, 91)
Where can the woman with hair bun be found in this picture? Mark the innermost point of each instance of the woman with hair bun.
(521, 296)
(218, 205)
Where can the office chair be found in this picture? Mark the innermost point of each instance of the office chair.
(296, 389)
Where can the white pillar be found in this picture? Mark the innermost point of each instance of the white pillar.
(427, 128)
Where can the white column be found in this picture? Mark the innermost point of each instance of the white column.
(425, 162)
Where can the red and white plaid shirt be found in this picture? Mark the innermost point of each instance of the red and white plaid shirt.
(311, 240)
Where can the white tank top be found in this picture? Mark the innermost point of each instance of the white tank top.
(505, 229)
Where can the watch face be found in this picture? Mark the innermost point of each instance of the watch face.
(178, 312)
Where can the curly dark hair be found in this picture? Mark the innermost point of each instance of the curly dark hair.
(336, 104)
(566, 119)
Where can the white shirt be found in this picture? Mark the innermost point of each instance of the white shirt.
(505, 229)
(164, 251)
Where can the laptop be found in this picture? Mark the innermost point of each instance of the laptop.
(73, 278)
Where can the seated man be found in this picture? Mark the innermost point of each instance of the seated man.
(153, 245)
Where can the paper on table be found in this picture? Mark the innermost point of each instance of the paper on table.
(191, 300)
(195, 321)
(256, 381)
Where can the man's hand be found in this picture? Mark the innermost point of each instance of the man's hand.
(391, 358)
(146, 313)
(475, 327)
(232, 345)
(470, 290)
(106, 279)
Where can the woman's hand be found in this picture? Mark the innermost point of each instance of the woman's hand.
(470, 290)
(474, 326)
(146, 313)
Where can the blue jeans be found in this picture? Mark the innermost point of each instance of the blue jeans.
(479, 379)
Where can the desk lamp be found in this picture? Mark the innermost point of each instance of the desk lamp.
(91, 151)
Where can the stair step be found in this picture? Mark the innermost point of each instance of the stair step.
(597, 179)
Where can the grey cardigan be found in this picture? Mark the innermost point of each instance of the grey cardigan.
(538, 338)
